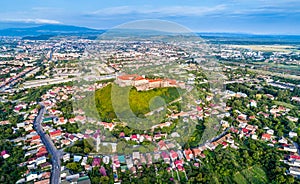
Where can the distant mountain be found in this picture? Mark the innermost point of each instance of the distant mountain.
(49, 29)
(249, 39)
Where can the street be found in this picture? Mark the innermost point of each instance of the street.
(55, 173)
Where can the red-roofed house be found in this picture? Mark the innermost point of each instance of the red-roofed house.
(266, 137)
(55, 134)
(162, 145)
(173, 155)
(188, 154)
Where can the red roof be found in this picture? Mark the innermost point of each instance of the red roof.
(224, 143)
(139, 78)
(266, 136)
(172, 82)
(35, 137)
(133, 136)
(245, 130)
(127, 77)
(161, 144)
(154, 80)
(55, 133)
(174, 155)
(295, 157)
(199, 108)
(122, 134)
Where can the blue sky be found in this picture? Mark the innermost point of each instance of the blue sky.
(247, 16)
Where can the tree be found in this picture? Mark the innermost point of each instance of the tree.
(87, 150)
(72, 166)
(104, 179)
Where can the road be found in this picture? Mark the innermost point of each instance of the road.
(56, 155)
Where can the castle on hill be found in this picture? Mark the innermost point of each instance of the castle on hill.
(143, 84)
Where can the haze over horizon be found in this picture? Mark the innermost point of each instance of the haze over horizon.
(256, 17)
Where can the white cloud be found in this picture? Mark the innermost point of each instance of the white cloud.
(37, 21)
(164, 11)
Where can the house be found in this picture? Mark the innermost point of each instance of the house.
(61, 121)
(96, 162)
(266, 137)
(293, 119)
(179, 165)
(196, 152)
(188, 154)
(116, 162)
(282, 140)
(173, 155)
(143, 159)
(129, 162)
(292, 134)
(254, 137)
(45, 181)
(242, 117)
(157, 136)
(84, 161)
(122, 159)
(165, 157)
(31, 176)
(41, 160)
(210, 146)
(46, 165)
(122, 135)
(290, 148)
(66, 157)
(31, 166)
(162, 125)
(77, 158)
(135, 156)
(162, 145)
(270, 96)
(294, 170)
(134, 137)
(253, 103)
(270, 131)
(5, 154)
(72, 178)
(55, 134)
(157, 156)
(293, 157)
(105, 160)
(41, 151)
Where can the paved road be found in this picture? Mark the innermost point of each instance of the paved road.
(56, 155)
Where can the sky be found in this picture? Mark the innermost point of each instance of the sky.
(236, 16)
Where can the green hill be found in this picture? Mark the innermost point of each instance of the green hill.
(127, 101)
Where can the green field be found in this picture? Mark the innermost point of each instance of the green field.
(284, 104)
(255, 175)
(128, 102)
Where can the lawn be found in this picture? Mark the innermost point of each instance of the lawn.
(253, 174)
(130, 103)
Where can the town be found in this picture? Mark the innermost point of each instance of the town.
(251, 126)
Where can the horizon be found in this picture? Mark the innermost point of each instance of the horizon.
(103, 29)
(250, 17)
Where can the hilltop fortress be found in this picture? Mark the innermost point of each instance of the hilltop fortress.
(143, 84)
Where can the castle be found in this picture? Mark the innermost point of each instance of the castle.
(143, 84)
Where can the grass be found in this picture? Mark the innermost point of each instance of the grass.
(127, 102)
(287, 105)
(253, 174)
